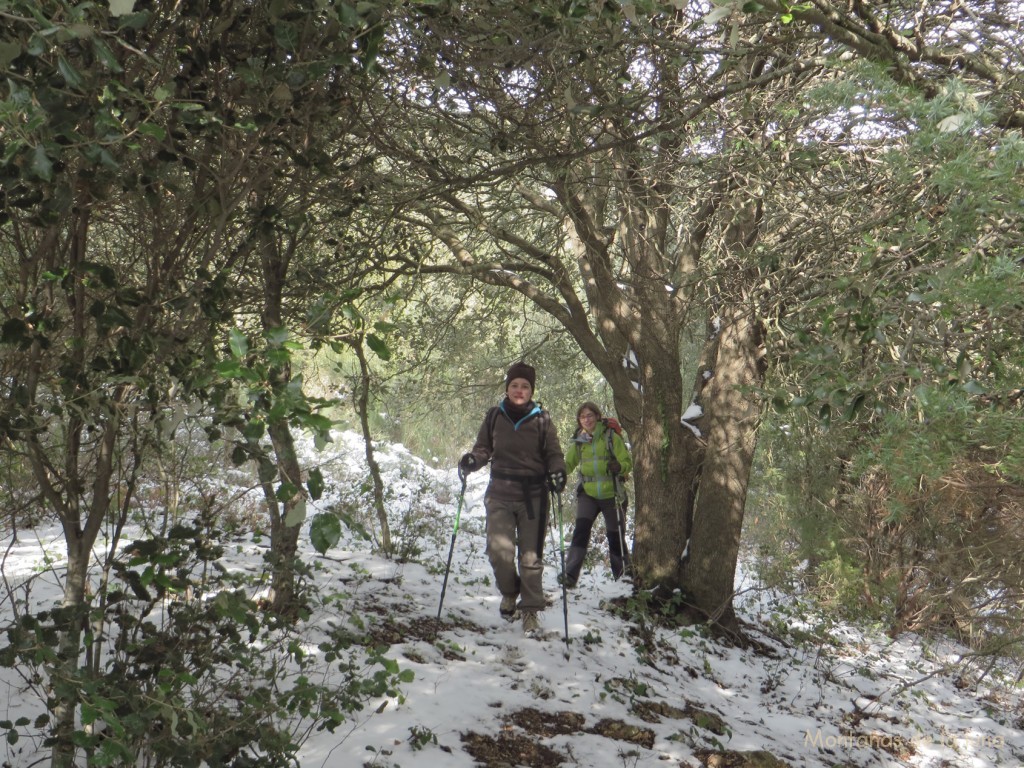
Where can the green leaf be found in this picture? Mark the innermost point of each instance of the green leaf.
(41, 165)
(324, 532)
(136, 20)
(315, 484)
(121, 7)
(104, 272)
(83, 740)
(239, 343)
(278, 356)
(154, 131)
(853, 406)
(296, 514)
(277, 336)
(286, 36)
(104, 54)
(69, 73)
(379, 346)
(286, 491)
(254, 430)
(229, 369)
(9, 51)
(315, 422)
(267, 470)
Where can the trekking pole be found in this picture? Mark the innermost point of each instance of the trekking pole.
(565, 597)
(620, 504)
(554, 541)
(451, 548)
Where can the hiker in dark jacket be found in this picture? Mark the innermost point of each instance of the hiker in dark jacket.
(519, 440)
(601, 455)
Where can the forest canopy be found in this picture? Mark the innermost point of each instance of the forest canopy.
(243, 220)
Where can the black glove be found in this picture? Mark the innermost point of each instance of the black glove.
(614, 467)
(467, 463)
(556, 481)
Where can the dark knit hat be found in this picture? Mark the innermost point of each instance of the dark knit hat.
(521, 370)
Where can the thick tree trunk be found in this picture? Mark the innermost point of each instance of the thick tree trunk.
(732, 412)
(664, 471)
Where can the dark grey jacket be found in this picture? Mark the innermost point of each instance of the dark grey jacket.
(522, 453)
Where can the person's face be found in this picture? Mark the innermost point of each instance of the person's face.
(519, 391)
(588, 419)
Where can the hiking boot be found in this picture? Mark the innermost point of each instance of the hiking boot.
(508, 607)
(531, 623)
(568, 581)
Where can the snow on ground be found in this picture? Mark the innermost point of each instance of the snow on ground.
(621, 692)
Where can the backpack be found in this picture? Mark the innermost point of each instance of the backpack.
(612, 428)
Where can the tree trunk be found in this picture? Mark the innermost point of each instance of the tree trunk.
(363, 407)
(286, 520)
(664, 471)
(64, 673)
(732, 412)
(285, 527)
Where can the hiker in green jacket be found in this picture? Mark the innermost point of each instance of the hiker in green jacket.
(519, 441)
(601, 455)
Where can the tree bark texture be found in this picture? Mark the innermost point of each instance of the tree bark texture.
(664, 471)
(284, 530)
(733, 411)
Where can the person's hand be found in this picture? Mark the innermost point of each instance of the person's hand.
(467, 463)
(614, 467)
(556, 481)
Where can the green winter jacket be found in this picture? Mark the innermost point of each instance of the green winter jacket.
(590, 454)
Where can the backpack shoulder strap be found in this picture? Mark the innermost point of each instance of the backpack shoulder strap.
(492, 419)
(544, 418)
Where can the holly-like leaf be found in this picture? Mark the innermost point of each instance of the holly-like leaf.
(315, 484)
(42, 166)
(379, 346)
(239, 343)
(277, 336)
(324, 532)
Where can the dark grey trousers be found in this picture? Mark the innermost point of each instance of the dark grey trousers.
(514, 539)
(587, 508)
